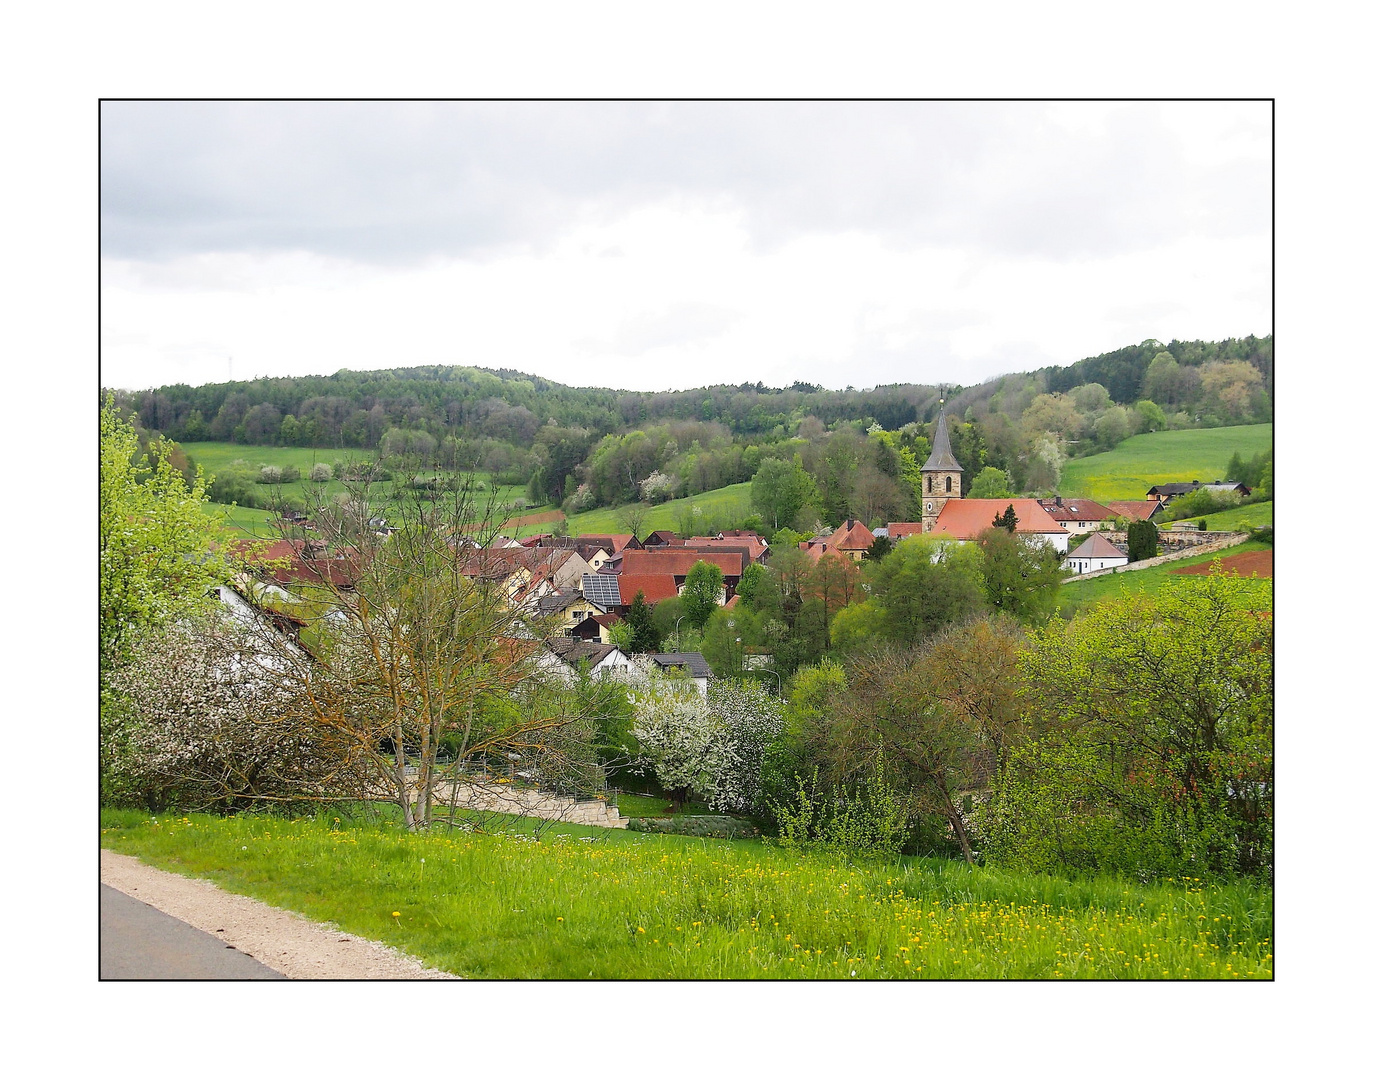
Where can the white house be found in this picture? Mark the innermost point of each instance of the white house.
(1096, 553)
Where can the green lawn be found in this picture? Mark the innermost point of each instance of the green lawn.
(586, 903)
(1076, 596)
(1162, 457)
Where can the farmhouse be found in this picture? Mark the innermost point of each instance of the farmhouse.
(1165, 493)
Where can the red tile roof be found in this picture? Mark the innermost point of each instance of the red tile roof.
(852, 536)
(1134, 509)
(755, 547)
(1067, 509)
(655, 587)
(311, 569)
(899, 530)
(963, 519)
(679, 561)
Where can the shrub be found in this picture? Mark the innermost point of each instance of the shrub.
(864, 819)
(581, 500)
(278, 474)
(321, 474)
(718, 827)
(201, 727)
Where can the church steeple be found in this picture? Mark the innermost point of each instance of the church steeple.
(941, 476)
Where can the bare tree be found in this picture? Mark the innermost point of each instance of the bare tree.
(420, 656)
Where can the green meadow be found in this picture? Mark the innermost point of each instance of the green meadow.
(1161, 457)
(214, 456)
(586, 903)
(1075, 595)
(723, 506)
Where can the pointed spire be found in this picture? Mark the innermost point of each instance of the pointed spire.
(941, 456)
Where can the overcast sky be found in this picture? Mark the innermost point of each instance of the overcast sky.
(664, 246)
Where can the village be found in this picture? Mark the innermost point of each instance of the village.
(573, 591)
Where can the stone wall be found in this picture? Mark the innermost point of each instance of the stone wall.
(1200, 543)
(532, 802)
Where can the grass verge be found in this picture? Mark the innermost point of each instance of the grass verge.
(611, 904)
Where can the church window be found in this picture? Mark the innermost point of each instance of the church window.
(948, 483)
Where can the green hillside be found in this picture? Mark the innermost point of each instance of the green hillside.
(214, 456)
(721, 508)
(1075, 595)
(1161, 457)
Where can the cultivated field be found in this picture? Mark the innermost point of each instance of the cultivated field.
(1161, 457)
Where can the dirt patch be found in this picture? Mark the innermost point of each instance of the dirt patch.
(284, 941)
(1244, 564)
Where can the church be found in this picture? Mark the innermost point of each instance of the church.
(944, 511)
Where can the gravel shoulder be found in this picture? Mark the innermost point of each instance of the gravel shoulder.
(286, 942)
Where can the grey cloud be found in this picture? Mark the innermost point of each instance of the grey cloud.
(679, 324)
(386, 182)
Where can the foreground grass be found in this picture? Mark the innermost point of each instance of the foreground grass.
(608, 904)
(1142, 461)
(1076, 596)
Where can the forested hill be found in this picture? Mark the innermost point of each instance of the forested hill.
(357, 408)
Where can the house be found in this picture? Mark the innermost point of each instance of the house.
(851, 539)
(655, 587)
(595, 628)
(615, 592)
(304, 562)
(526, 574)
(1136, 510)
(662, 538)
(564, 609)
(754, 548)
(899, 530)
(1166, 493)
(595, 550)
(678, 561)
(1095, 553)
(594, 658)
(691, 665)
(1076, 515)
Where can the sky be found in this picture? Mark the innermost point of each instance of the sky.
(667, 245)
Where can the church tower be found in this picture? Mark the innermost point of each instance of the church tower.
(941, 478)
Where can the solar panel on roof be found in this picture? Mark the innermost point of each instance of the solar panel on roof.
(602, 589)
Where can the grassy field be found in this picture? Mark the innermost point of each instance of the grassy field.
(612, 904)
(1078, 595)
(1161, 457)
(214, 456)
(728, 504)
(1240, 519)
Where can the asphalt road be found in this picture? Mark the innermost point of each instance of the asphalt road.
(139, 942)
